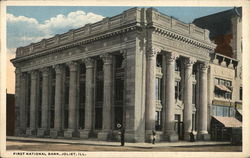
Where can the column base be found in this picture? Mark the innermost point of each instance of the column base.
(85, 134)
(56, 133)
(104, 135)
(171, 137)
(133, 137)
(203, 136)
(31, 132)
(20, 132)
(187, 136)
(70, 133)
(41, 132)
(149, 136)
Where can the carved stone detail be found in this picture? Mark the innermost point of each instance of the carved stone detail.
(189, 62)
(107, 58)
(171, 57)
(89, 62)
(204, 67)
(72, 65)
(45, 71)
(58, 68)
(34, 74)
(153, 51)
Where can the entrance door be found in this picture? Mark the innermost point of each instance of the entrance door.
(179, 127)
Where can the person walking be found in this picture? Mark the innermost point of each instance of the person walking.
(153, 136)
(122, 136)
(192, 136)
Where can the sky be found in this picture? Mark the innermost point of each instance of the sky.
(27, 24)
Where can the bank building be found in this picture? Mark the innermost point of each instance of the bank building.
(141, 69)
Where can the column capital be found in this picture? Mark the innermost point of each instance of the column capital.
(152, 51)
(89, 62)
(23, 75)
(72, 65)
(106, 58)
(124, 56)
(170, 57)
(189, 62)
(123, 52)
(45, 71)
(203, 67)
(34, 74)
(58, 68)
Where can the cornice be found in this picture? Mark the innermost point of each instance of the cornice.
(72, 44)
(184, 38)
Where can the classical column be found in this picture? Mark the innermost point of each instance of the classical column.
(170, 97)
(188, 91)
(107, 97)
(45, 103)
(18, 104)
(150, 109)
(202, 127)
(33, 103)
(58, 103)
(89, 95)
(71, 131)
(22, 101)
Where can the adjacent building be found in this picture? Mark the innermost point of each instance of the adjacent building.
(141, 69)
(225, 73)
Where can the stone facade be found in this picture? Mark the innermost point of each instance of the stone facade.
(142, 69)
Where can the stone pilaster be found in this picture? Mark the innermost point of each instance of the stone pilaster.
(57, 131)
(18, 105)
(45, 103)
(202, 126)
(150, 90)
(33, 104)
(170, 97)
(22, 101)
(71, 131)
(89, 94)
(107, 98)
(188, 91)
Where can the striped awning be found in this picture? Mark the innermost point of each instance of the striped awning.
(223, 88)
(228, 121)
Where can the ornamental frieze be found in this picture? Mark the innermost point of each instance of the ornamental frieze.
(189, 49)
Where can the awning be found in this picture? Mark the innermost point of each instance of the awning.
(223, 88)
(228, 121)
(240, 111)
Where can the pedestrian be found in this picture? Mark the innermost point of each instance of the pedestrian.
(122, 136)
(192, 136)
(153, 136)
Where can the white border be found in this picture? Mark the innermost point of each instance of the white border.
(246, 74)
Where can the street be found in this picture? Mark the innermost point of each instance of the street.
(47, 146)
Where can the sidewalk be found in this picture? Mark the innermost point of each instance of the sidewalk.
(108, 143)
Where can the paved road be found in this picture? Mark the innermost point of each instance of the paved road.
(55, 146)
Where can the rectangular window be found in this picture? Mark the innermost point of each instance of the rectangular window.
(214, 110)
(99, 90)
(193, 121)
(221, 92)
(158, 89)
(240, 93)
(219, 111)
(225, 111)
(158, 124)
(98, 118)
(194, 94)
(232, 112)
(216, 81)
(119, 84)
(176, 89)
